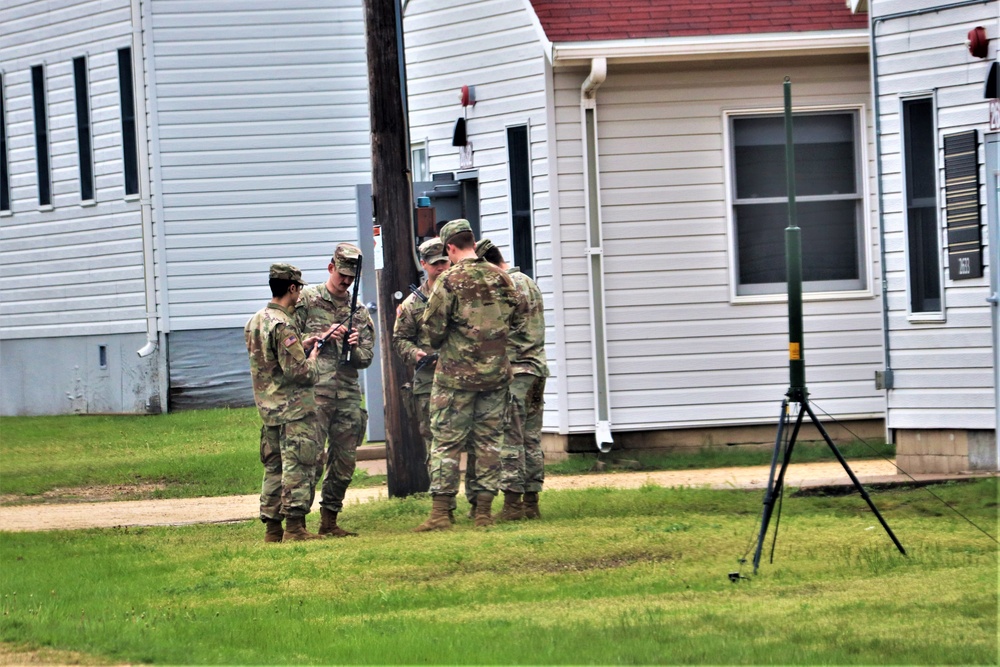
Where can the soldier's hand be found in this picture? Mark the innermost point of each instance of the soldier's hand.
(352, 340)
(420, 355)
(314, 352)
(337, 332)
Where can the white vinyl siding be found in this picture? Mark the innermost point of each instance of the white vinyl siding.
(943, 369)
(680, 354)
(72, 270)
(492, 45)
(263, 134)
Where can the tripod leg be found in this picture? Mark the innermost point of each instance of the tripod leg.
(769, 495)
(850, 473)
(780, 484)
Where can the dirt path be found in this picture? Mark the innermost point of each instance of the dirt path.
(176, 512)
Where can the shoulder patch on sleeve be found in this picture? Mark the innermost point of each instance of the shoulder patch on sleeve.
(399, 311)
(288, 342)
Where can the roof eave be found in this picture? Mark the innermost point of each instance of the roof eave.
(711, 47)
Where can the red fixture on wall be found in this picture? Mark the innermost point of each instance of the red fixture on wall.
(977, 42)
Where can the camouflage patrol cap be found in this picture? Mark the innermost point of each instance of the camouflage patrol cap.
(345, 259)
(484, 247)
(454, 227)
(432, 250)
(286, 272)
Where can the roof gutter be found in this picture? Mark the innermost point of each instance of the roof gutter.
(711, 47)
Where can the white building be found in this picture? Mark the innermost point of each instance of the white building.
(625, 155)
(939, 166)
(158, 156)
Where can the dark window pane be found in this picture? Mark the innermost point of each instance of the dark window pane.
(829, 241)
(519, 169)
(130, 156)
(824, 155)
(918, 119)
(4, 167)
(41, 135)
(923, 241)
(83, 129)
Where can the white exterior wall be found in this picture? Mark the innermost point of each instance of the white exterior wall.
(943, 369)
(492, 45)
(679, 352)
(262, 134)
(73, 270)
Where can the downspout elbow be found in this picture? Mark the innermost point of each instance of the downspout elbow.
(598, 73)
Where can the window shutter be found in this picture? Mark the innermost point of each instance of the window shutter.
(961, 183)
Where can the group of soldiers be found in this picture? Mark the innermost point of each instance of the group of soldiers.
(474, 332)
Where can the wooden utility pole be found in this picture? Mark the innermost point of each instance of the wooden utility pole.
(392, 207)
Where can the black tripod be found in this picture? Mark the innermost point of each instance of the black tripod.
(774, 486)
(797, 392)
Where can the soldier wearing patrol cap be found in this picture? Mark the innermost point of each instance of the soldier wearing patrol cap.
(521, 460)
(410, 342)
(283, 376)
(470, 311)
(340, 419)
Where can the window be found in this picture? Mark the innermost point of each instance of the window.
(4, 167)
(923, 243)
(418, 160)
(83, 129)
(828, 194)
(41, 135)
(519, 174)
(129, 144)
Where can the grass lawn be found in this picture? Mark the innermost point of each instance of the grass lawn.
(215, 453)
(177, 455)
(607, 576)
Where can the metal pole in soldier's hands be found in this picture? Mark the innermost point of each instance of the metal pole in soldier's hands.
(392, 206)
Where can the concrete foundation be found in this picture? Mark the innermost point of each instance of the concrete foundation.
(558, 447)
(945, 450)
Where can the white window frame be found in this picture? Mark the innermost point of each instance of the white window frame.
(866, 265)
(426, 162)
(930, 316)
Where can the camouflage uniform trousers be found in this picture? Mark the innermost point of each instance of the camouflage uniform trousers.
(521, 460)
(341, 424)
(422, 404)
(460, 418)
(289, 453)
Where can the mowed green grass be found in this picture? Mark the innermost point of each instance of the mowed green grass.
(179, 455)
(216, 453)
(607, 576)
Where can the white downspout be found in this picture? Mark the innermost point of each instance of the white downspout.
(139, 99)
(595, 252)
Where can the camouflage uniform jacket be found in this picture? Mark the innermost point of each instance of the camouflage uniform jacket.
(526, 344)
(316, 310)
(282, 375)
(409, 336)
(470, 312)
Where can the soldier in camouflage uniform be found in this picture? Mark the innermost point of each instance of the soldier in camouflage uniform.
(409, 341)
(340, 419)
(473, 306)
(283, 378)
(522, 462)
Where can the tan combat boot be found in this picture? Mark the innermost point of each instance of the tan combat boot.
(273, 530)
(512, 510)
(484, 502)
(438, 519)
(529, 501)
(295, 530)
(328, 525)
